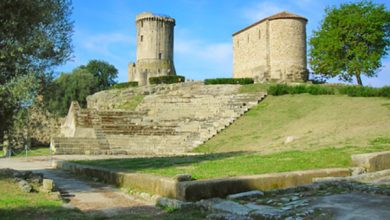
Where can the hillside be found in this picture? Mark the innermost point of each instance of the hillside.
(306, 122)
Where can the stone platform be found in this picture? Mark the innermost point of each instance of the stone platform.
(171, 119)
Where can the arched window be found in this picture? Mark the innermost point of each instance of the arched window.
(142, 38)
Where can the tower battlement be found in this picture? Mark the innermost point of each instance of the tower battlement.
(153, 16)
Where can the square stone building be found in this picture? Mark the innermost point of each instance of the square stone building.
(272, 49)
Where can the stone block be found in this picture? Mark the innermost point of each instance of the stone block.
(182, 177)
(24, 186)
(47, 185)
(246, 195)
(372, 161)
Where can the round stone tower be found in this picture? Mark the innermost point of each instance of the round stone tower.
(154, 48)
(287, 47)
(272, 49)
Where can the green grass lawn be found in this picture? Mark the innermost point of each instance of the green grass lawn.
(15, 204)
(34, 151)
(314, 121)
(238, 163)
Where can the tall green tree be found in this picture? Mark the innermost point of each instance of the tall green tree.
(34, 37)
(68, 87)
(104, 72)
(78, 84)
(351, 41)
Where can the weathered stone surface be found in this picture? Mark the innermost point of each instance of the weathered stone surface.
(182, 177)
(245, 195)
(200, 189)
(173, 119)
(226, 216)
(272, 49)
(174, 203)
(154, 48)
(220, 205)
(24, 186)
(36, 177)
(372, 161)
(47, 185)
(357, 171)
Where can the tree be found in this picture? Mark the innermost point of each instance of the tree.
(104, 72)
(68, 87)
(351, 41)
(34, 37)
(77, 85)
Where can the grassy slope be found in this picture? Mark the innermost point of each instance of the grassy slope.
(235, 164)
(314, 121)
(327, 131)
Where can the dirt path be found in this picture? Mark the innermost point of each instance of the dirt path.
(86, 195)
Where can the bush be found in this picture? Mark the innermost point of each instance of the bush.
(320, 90)
(166, 79)
(385, 91)
(283, 89)
(365, 91)
(241, 81)
(278, 89)
(124, 85)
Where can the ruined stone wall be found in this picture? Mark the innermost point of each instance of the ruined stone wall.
(272, 49)
(155, 37)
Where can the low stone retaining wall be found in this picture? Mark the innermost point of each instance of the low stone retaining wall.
(160, 185)
(373, 161)
(201, 189)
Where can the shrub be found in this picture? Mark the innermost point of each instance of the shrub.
(282, 89)
(241, 81)
(278, 89)
(385, 91)
(320, 90)
(124, 85)
(365, 91)
(166, 79)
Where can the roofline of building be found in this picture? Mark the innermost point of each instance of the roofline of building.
(269, 19)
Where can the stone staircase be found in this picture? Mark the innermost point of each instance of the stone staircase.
(172, 119)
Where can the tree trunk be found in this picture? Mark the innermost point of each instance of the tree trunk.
(359, 79)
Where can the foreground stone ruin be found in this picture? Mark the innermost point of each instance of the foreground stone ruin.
(171, 119)
(337, 193)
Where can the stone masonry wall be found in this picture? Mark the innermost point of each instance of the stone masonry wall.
(171, 119)
(272, 49)
(155, 38)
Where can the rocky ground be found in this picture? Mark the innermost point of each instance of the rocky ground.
(365, 196)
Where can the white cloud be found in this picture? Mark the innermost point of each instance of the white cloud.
(208, 59)
(261, 10)
(217, 53)
(102, 43)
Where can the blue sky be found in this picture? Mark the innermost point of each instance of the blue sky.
(105, 30)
